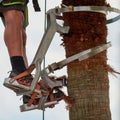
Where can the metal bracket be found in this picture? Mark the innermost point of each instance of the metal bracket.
(99, 9)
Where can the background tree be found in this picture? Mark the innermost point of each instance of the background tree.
(88, 81)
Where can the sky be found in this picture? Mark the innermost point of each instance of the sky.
(9, 102)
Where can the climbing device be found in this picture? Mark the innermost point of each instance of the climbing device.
(45, 90)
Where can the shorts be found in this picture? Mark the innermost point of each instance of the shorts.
(20, 5)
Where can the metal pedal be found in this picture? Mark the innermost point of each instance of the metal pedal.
(18, 88)
(25, 107)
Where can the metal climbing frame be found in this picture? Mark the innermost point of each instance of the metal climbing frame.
(55, 66)
(52, 27)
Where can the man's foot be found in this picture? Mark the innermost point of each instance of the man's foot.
(18, 85)
(25, 80)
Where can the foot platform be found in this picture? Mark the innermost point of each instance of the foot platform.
(20, 89)
(25, 107)
(47, 101)
(16, 87)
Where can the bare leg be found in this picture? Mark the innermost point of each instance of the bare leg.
(15, 35)
(15, 39)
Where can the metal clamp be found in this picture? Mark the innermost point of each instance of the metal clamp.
(100, 9)
(80, 56)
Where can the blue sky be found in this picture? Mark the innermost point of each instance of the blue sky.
(9, 102)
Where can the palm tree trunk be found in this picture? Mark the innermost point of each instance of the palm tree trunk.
(88, 81)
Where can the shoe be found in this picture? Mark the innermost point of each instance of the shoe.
(25, 80)
(19, 84)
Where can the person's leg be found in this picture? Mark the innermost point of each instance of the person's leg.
(13, 32)
(15, 38)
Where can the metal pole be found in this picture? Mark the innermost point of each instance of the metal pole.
(45, 7)
(43, 115)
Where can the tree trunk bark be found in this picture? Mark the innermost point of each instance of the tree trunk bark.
(88, 81)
